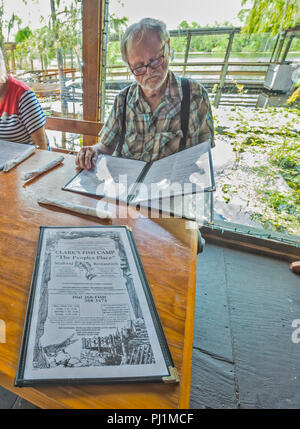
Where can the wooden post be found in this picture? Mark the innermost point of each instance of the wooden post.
(13, 62)
(93, 14)
(274, 49)
(102, 63)
(287, 48)
(224, 71)
(187, 49)
(282, 39)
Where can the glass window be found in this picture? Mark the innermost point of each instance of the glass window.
(45, 52)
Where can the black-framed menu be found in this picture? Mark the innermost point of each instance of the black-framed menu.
(91, 317)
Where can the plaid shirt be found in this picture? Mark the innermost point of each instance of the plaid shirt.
(153, 136)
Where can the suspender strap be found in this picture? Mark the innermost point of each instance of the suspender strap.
(184, 116)
(123, 130)
(185, 111)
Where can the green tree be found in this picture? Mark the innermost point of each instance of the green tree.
(59, 17)
(22, 34)
(11, 23)
(270, 16)
(117, 26)
(22, 49)
(1, 23)
(183, 25)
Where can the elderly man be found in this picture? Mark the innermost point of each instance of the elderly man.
(146, 121)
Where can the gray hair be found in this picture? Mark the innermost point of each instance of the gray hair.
(141, 28)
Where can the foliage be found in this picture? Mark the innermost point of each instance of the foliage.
(295, 95)
(1, 23)
(23, 34)
(7, 24)
(117, 27)
(209, 44)
(270, 16)
(266, 168)
(12, 21)
(63, 33)
(242, 43)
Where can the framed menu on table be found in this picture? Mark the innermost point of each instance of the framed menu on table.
(91, 317)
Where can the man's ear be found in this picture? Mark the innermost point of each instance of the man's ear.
(170, 51)
(168, 43)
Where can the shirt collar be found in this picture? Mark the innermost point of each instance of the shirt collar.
(173, 90)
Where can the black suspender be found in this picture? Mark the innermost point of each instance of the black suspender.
(123, 130)
(185, 111)
(184, 116)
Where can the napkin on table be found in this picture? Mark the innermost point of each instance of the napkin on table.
(89, 211)
(32, 174)
(13, 162)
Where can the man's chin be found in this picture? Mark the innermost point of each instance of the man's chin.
(152, 85)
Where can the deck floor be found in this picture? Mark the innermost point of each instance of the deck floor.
(243, 353)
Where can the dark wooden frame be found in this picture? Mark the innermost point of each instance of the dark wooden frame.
(252, 240)
(93, 21)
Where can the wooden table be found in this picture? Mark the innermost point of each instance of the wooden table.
(168, 250)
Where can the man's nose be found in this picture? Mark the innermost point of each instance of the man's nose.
(149, 70)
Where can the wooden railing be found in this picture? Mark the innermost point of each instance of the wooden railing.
(45, 75)
(75, 126)
(89, 129)
(197, 68)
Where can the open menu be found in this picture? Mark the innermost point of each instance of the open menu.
(133, 181)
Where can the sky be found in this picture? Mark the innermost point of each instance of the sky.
(172, 12)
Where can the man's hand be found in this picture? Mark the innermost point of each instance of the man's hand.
(87, 157)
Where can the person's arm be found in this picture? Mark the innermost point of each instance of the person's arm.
(110, 135)
(33, 118)
(39, 138)
(88, 155)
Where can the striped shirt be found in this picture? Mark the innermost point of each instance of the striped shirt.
(153, 136)
(20, 113)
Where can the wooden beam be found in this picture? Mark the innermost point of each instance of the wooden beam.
(281, 43)
(187, 49)
(287, 48)
(75, 126)
(275, 47)
(220, 234)
(224, 71)
(92, 37)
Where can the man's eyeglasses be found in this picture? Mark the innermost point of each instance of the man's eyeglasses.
(154, 64)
